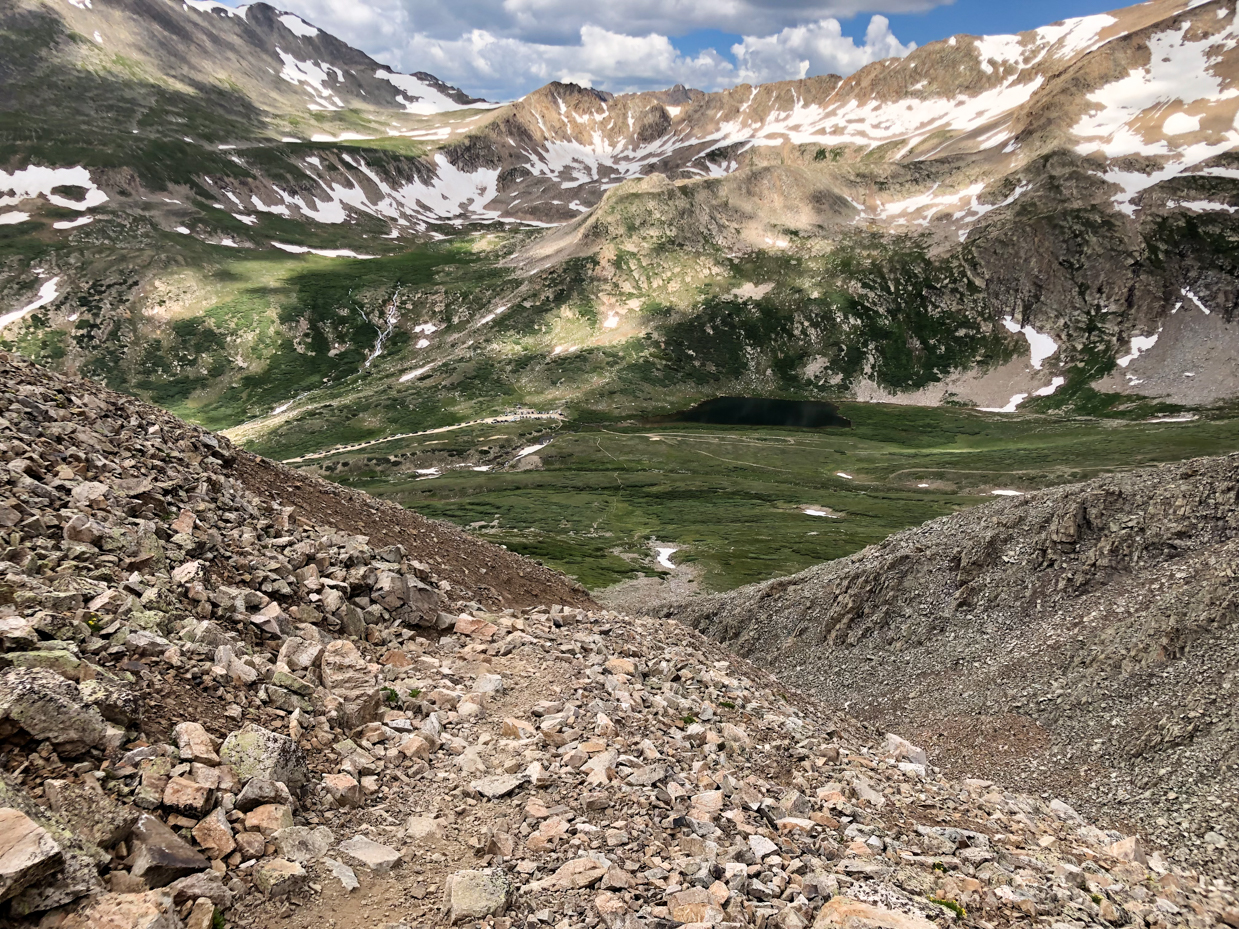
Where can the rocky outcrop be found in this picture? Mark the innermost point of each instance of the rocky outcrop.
(1080, 640)
(257, 754)
(48, 707)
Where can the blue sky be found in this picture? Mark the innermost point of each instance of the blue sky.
(991, 17)
(975, 17)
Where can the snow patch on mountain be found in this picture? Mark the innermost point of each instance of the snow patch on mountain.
(203, 6)
(1040, 344)
(1202, 206)
(1074, 37)
(1139, 345)
(877, 122)
(324, 252)
(298, 26)
(1011, 406)
(1178, 70)
(37, 181)
(315, 78)
(47, 293)
(426, 99)
(450, 196)
(1129, 115)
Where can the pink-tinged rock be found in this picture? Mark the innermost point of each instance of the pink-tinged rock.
(187, 573)
(415, 747)
(28, 853)
(268, 819)
(518, 729)
(695, 905)
(341, 788)
(611, 908)
(187, 796)
(151, 910)
(1130, 849)
(847, 913)
(475, 628)
(575, 875)
(195, 744)
(214, 835)
(184, 523)
(251, 845)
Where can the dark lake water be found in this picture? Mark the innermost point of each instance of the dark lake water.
(758, 411)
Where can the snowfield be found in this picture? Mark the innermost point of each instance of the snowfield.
(36, 181)
(47, 293)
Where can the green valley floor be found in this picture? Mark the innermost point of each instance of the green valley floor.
(742, 504)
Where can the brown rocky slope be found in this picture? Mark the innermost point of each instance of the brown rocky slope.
(1080, 640)
(229, 695)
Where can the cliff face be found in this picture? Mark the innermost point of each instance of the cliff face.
(1082, 639)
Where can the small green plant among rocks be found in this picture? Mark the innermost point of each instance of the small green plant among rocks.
(950, 905)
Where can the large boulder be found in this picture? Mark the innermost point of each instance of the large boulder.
(151, 910)
(476, 895)
(160, 856)
(116, 701)
(366, 853)
(91, 812)
(279, 877)
(195, 744)
(848, 913)
(49, 708)
(260, 790)
(300, 654)
(303, 843)
(209, 884)
(421, 604)
(91, 495)
(78, 877)
(257, 752)
(348, 676)
(82, 528)
(28, 853)
(389, 590)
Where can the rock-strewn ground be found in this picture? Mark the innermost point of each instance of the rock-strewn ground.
(1080, 641)
(216, 706)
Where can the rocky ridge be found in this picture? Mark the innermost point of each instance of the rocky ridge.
(1080, 640)
(277, 61)
(211, 704)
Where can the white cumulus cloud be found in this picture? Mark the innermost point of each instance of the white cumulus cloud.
(818, 48)
(502, 49)
(559, 22)
(504, 68)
